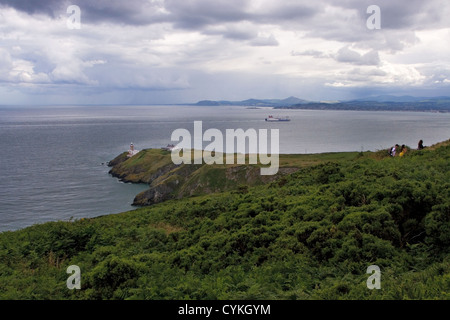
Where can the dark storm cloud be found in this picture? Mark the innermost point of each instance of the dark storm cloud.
(198, 14)
(134, 12)
(186, 14)
(47, 7)
(195, 14)
(240, 32)
(404, 14)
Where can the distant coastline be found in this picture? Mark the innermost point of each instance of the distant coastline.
(379, 103)
(375, 106)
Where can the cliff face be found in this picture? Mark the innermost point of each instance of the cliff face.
(169, 181)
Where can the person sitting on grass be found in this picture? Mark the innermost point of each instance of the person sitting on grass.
(420, 145)
(393, 150)
(403, 151)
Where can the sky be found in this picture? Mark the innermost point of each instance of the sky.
(183, 51)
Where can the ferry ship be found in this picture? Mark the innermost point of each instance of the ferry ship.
(272, 119)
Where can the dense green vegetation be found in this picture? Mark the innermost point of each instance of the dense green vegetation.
(308, 235)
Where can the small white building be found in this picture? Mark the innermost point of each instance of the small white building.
(132, 151)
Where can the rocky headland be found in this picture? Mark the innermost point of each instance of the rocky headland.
(169, 181)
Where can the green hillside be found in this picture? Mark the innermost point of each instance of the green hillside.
(307, 235)
(168, 181)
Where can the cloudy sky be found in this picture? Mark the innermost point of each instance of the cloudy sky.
(174, 51)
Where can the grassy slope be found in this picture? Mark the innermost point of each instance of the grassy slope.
(310, 235)
(142, 167)
(167, 181)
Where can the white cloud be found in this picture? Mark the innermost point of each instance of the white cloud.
(348, 55)
(263, 41)
(17, 71)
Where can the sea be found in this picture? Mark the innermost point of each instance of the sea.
(53, 163)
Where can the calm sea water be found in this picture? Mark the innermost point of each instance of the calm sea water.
(52, 163)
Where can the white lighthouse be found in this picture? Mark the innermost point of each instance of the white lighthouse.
(132, 151)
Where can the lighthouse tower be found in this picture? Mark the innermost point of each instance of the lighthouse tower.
(132, 151)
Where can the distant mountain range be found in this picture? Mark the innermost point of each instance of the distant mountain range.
(376, 103)
(254, 102)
